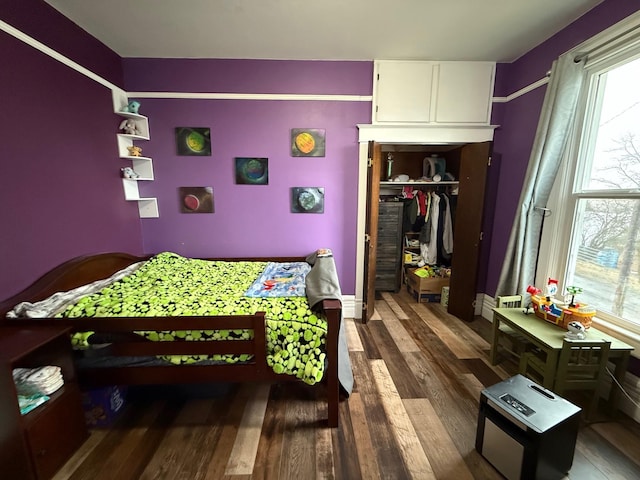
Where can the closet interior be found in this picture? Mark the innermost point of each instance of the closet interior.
(429, 218)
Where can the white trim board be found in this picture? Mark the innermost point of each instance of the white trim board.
(349, 306)
(522, 91)
(437, 134)
(252, 96)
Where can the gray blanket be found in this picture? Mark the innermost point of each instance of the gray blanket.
(322, 284)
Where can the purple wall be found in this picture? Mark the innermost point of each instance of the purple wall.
(519, 118)
(60, 189)
(44, 23)
(248, 76)
(254, 220)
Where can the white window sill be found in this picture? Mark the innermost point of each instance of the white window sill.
(620, 333)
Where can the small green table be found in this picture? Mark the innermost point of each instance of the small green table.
(549, 338)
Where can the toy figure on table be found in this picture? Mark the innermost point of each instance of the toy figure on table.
(551, 288)
(573, 291)
(575, 331)
(552, 310)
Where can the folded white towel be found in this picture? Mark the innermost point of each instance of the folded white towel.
(42, 380)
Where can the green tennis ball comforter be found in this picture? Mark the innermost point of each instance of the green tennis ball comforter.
(172, 285)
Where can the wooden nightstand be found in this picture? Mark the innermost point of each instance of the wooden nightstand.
(36, 445)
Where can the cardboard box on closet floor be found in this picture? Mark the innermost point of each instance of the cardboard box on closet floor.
(427, 289)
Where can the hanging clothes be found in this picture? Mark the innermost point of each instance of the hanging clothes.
(432, 246)
(436, 234)
(445, 231)
(411, 210)
(422, 204)
(447, 234)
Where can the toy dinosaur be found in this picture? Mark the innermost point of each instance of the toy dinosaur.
(134, 151)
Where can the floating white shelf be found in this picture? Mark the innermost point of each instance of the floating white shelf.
(143, 166)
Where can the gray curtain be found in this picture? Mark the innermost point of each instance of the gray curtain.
(552, 136)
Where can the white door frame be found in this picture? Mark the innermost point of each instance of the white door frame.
(401, 134)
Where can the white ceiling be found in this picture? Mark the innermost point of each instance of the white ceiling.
(493, 30)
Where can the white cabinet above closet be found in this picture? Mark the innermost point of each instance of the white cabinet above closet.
(142, 166)
(433, 93)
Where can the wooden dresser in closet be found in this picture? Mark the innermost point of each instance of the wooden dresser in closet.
(389, 246)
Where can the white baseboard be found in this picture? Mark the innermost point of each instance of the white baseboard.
(486, 304)
(349, 307)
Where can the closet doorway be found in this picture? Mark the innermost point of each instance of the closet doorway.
(391, 167)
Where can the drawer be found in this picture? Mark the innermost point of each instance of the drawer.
(387, 264)
(390, 208)
(391, 235)
(56, 430)
(389, 222)
(387, 283)
(388, 249)
(394, 219)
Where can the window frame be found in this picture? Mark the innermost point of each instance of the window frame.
(615, 46)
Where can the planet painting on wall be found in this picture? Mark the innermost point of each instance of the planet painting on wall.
(307, 200)
(252, 171)
(307, 142)
(193, 141)
(196, 199)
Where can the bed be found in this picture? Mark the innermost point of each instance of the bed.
(241, 320)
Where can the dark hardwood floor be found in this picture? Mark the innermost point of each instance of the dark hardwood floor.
(413, 414)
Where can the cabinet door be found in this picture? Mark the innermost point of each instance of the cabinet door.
(474, 159)
(371, 230)
(403, 91)
(464, 92)
(14, 456)
(50, 448)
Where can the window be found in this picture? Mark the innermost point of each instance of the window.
(594, 241)
(604, 259)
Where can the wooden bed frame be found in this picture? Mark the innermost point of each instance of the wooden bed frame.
(86, 269)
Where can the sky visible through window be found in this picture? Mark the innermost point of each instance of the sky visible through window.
(619, 128)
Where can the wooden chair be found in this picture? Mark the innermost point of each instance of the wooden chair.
(509, 339)
(581, 366)
(509, 301)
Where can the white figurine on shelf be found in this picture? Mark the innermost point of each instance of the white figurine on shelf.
(128, 172)
(575, 331)
(130, 127)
